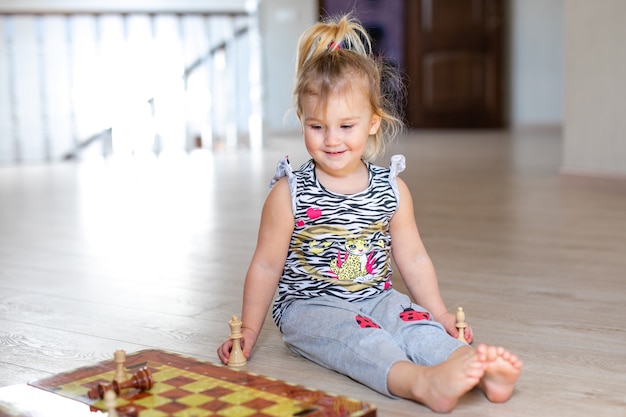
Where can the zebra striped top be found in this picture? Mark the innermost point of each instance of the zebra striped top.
(341, 244)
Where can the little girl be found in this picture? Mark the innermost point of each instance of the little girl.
(329, 231)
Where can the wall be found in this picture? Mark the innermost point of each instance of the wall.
(536, 62)
(281, 22)
(595, 62)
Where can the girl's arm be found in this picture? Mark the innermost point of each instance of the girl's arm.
(265, 268)
(414, 264)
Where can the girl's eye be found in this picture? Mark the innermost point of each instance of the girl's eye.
(316, 127)
(346, 126)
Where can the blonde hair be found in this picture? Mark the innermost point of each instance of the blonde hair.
(337, 52)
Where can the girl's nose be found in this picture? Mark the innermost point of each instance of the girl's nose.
(331, 137)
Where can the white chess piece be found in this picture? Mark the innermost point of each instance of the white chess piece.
(461, 325)
(120, 369)
(236, 357)
(110, 401)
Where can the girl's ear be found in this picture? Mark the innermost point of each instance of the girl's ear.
(375, 124)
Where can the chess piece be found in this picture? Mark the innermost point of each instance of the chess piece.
(461, 325)
(120, 370)
(110, 406)
(236, 354)
(110, 401)
(141, 380)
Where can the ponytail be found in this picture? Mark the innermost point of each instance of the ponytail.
(331, 35)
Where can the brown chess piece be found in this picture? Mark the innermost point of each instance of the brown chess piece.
(142, 380)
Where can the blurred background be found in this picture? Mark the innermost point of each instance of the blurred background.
(157, 78)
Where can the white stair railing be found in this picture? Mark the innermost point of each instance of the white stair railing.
(152, 82)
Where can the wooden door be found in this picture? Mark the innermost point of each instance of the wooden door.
(454, 63)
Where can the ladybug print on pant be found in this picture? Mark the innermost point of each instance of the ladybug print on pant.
(409, 314)
(366, 322)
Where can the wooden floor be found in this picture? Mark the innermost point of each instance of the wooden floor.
(96, 257)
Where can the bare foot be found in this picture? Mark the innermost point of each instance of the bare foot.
(502, 371)
(439, 387)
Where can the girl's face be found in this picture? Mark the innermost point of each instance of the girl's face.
(336, 134)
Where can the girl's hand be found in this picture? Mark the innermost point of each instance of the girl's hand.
(448, 320)
(247, 343)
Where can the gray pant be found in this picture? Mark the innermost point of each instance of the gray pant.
(364, 339)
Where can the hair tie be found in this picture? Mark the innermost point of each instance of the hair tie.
(333, 46)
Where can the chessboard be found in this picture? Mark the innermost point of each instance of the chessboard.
(186, 387)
